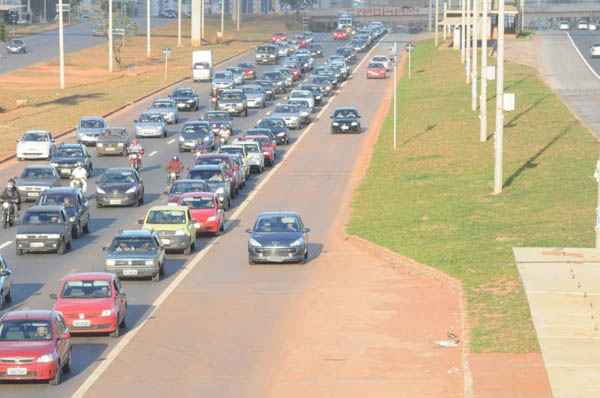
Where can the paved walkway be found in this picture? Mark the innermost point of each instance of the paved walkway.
(563, 290)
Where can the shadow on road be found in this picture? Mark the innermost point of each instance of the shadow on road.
(70, 99)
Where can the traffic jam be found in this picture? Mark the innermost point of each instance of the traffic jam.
(65, 191)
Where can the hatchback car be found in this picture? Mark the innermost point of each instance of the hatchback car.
(35, 144)
(113, 141)
(205, 211)
(35, 179)
(120, 186)
(44, 229)
(150, 125)
(382, 59)
(194, 136)
(34, 345)
(218, 181)
(249, 70)
(345, 120)
(254, 154)
(237, 73)
(75, 204)
(376, 70)
(232, 101)
(290, 114)
(174, 225)
(135, 254)
(277, 126)
(182, 186)
(221, 81)
(16, 46)
(266, 146)
(67, 157)
(186, 99)
(89, 129)
(92, 302)
(255, 95)
(167, 108)
(278, 237)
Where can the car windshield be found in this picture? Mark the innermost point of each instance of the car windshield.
(192, 134)
(68, 153)
(299, 103)
(209, 161)
(251, 90)
(222, 76)
(201, 65)
(17, 42)
(121, 133)
(300, 94)
(218, 116)
(25, 330)
(198, 203)
(265, 50)
(166, 217)
(123, 177)
(42, 217)
(232, 150)
(187, 186)
(91, 124)
(380, 59)
(285, 109)
(133, 245)
(86, 289)
(207, 175)
(375, 65)
(37, 137)
(59, 199)
(162, 104)
(346, 114)
(183, 93)
(277, 223)
(271, 123)
(37, 173)
(252, 148)
(150, 118)
(272, 76)
(225, 96)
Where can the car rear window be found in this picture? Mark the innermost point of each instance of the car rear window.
(85, 289)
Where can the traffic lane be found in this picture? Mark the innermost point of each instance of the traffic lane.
(103, 228)
(584, 41)
(230, 339)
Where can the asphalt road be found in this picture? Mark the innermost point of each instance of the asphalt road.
(36, 276)
(44, 46)
(584, 41)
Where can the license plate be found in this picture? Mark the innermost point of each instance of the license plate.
(36, 244)
(65, 171)
(82, 323)
(130, 272)
(33, 194)
(165, 241)
(115, 201)
(344, 127)
(16, 371)
(110, 148)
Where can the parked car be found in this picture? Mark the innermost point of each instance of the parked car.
(167, 108)
(67, 157)
(44, 229)
(186, 99)
(92, 302)
(75, 204)
(35, 144)
(39, 341)
(182, 186)
(205, 211)
(277, 126)
(16, 46)
(232, 101)
(5, 283)
(35, 179)
(135, 254)
(174, 225)
(290, 114)
(150, 125)
(278, 237)
(120, 186)
(113, 141)
(89, 129)
(376, 70)
(345, 120)
(255, 95)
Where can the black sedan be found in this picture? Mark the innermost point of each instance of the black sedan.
(277, 127)
(278, 237)
(186, 99)
(113, 141)
(67, 157)
(345, 120)
(120, 187)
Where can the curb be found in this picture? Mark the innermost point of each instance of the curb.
(132, 102)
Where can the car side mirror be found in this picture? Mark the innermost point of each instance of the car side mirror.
(306, 230)
(53, 296)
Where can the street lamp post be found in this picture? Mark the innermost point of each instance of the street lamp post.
(499, 136)
(484, 78)
(475, 35)
(222, 18)
(148, 46)
(179, 23)
(110, 36)
(463, 31)
(61, 44)
(468, 43)
(395, 94)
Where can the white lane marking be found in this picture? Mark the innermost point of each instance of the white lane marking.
(152, 153)
(190, 266)
(582, 57)
(172, 140)
(5, 244)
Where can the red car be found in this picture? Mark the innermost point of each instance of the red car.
(276, 37)
(376, 71)
(205, 211)
(92, 302)
(340, 34)
(34, 345)
(266, 145)
(249, 71)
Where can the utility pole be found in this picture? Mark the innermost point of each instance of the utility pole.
(499, 136)
(202, 32)
(61, 45)
(445, 31)
(484, 58)
(468, 44)
(238, 4)
(474, 56)
(179, 23)
(110, 36)
(222, 18)
(437, 24)
(522, 15)
(148, 47)
(463, 31)
(395, 94)
(429, 9)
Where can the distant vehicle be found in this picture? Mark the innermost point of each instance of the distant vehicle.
(237, 150)
(35, 144)
(268, 87)
(348, 53)
(237, 73)
(564, 25)
(345, 120)
(233, 101)
(202, 65)
(267, 54)
(205, 211)
(92, 302)
(16, 46)
(382, 59)
(278, 81)
(186, 99)
(259, 131)
(35, 179)
(168, 13)
(220, 122)
(5, 283)
(376, 70)
(44, 229)
(182, 186)
(217, 180)
(592, 26)
(256, 158)
(150, 125)
(89, 129)
(113, 141)
(277, 37)
(340, 34)
(266, 144)
(249, 70)
(582, 25)
(229, 168)
(278, 237)
(316, 50)
(255, 95)
(195, 135)
(135, 254)
(75, 204)
(39, 334)
(316, 91)
(67, 157)
(120, 186)
(304, 107)
(222, 81)
(167, 108)
(595, 51)
(345, 22)
(303, 94)
(290, 114)
(174, 225)
(277, 126)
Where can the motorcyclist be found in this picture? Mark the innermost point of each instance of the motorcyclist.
(175, 165)
(80, 174)
(11, 194)
(136, 148)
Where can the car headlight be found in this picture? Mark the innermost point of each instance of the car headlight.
(253, 242)
(220, 190)
(53, 164)
(304, 114)
(336, 124)
(21, 236)
(106, 313)
(110, 263)
(180, 232)
(149, 262)
(271, 55)
(46, 358)
(100, 144)
(206, 139)
(190, 101)
(120, 144)
(72, 219)
(100, 190)
(181, 139)
(53, 236)
(132, 189)
(280, 134)
(354, 124)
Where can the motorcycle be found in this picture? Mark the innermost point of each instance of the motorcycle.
(224, 135)
(135, 161)
(8, 214)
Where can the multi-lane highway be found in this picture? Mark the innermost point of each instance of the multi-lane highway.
(584, 40)
(310, 180)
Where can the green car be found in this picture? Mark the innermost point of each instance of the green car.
(173, 225)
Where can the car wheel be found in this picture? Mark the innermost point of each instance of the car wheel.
(228, 204)
(61, 248)
(58, 376)
(98, 205)
(69, 245)
(86, 228)
(19, 252)
(67, 366)
(161, 271)
(251, 261)
(141, 200)
(246, 112)
(188, 250)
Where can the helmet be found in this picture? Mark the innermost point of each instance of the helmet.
(175, 157)
(135, 141)
(11, 183)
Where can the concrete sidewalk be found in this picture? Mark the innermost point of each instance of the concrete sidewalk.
(563, 290)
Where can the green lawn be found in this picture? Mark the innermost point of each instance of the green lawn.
(431, 199)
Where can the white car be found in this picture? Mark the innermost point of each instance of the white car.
(304, 95)
(582, 25)
(595, 51)
(35, 144)
(592, 26)
(381, 59)
(564, 25)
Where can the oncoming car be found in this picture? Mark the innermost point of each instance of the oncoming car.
(206, 213)
(35, 144)
(595, 51)
(278, 237)
(135, 254)
(345, 120)
(174, 226)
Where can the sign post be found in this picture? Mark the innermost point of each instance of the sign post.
(166, 53)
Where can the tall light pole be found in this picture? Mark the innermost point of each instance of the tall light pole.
(445, 31)
(463, 31)
(222, 18)
(238, 4)
(110, 36)
(61, 45)
(179, 23)
(148, 46)
(437, 24)
(395, 94)
(499, 136)
(468, 44)
(202, 31)
(475, 35)
(429, 10)
(484, 58)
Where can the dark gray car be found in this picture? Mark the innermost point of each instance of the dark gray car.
(44, 229)
(217, 180)
(67, 157)
(135, 254)
(113, 141)
(120, 187)
(35, 179)
(75, 204)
